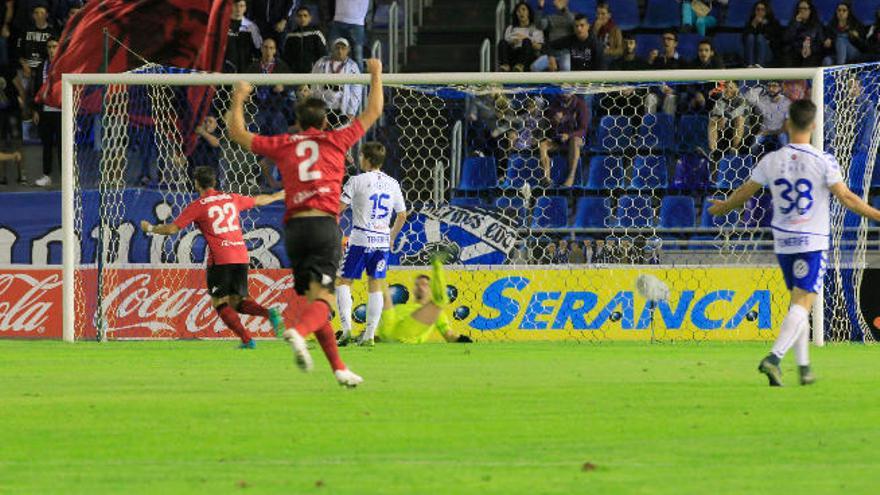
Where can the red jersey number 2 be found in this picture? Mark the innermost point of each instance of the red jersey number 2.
(309, 151)
(228, 213)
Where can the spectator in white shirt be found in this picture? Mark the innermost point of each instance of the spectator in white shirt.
(772, 105)
(341, 99)
(348, 23)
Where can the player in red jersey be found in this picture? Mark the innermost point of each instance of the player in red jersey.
(216, 215)
(312, 166)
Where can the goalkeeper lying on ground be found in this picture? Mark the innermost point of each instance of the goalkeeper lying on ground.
(413, 322)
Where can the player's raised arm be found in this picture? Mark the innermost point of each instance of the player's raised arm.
(235, 117)
(264, 199)
(161, 229)
(853, 202)
(376, 100)
(737, 199)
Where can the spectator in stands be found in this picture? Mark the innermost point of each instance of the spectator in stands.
(664, 97)
(727, 121)
(761, 35)
(32, 44)
(304, 44)
(5, 35)
(562, 253)
(803, 38)
(697, 14)
(348, 23)
(342, 100)
(556, 26)
(588, 251)
(576, 254)
(628, 59)
(522, 41)
(872, 39)
(569, 118)
(243, 40)
(521, 254)
(601, 253)
(581, 49)
(270, 100)
(772, 106)
(695, 97)
(271, 17)
(526, 125)
(207, 151)
(609, 36)
(62, 10)
(845, 37)
(547, 256)
(48, 118)
(487, 119)
(10, 126)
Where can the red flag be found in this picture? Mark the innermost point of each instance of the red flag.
(182, 33)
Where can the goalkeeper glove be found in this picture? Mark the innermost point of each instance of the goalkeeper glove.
(464, 339)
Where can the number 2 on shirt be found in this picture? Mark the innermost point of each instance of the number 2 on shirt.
(308, 150)
(227, 213)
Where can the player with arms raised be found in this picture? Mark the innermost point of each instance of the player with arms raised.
(217, 216)
(312, 165)
(373, 197)
(801, 179)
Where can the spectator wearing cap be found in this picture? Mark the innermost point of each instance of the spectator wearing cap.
(304, 44)
(348, 23)
(243, 39)
(341, 99)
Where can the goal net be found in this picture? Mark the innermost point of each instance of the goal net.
(554, 192)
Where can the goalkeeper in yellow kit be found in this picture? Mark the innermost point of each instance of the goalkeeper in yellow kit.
(414, 322)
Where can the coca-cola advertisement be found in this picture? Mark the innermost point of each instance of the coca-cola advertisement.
(138, 303)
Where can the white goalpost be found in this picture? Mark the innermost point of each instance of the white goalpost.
(437, 130)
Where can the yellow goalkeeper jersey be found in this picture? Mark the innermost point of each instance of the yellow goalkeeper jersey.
(397, 324)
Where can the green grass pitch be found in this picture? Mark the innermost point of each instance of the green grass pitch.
(204, 417)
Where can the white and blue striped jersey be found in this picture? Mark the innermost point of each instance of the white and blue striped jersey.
(799, 177)
(372, 197)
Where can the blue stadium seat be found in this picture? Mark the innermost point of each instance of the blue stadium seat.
(522, 169)
(784, 10)
(625, 13)
(477, 174)
(687, 45)
(591, 212)
(738, 17)
(614, 134)
(467, 202)
(703, 242)
(729, 46)
(550, 212)
(657, 131)
(826, 9)
(586, 7)
(864, 10)
(649, 172)
(606, 172)
(677, 212)
(733, 170)
(645, 43)
(758, 211)
(709, 220)
(635, 211)
(661, 14)
(512, 208)
(693, 132)
(858, 165)
(691, 173)
(559, 168)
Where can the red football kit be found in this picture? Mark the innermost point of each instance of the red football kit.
(216, 215)
(312, 165)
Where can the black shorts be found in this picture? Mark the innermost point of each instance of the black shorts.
(314, 246)
(228, 280)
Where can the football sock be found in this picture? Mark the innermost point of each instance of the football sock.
(438, 283)
(802, 348)
(230, 318)
(794, 323)
(327, 339)
(343, 301)
(250, 307)
(375, 304)
(312, 317)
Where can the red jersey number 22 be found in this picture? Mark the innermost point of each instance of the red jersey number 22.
(227, 214)
(309, 151)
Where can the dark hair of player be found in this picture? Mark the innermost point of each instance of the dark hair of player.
(374, 152)
(205, 177)
(423, 276)
(581, 17)
(801, 114)
(311, 113)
